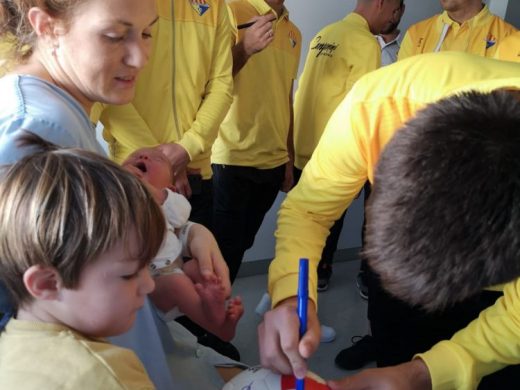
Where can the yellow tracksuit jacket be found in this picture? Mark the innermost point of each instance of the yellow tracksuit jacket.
(184, 92)
(378, 105)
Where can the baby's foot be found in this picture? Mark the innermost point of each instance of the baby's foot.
(213, 299)
(234, 312)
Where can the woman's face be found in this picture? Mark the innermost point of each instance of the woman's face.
(103, 47)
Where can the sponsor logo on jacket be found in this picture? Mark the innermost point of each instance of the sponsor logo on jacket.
(200, 6)
(324, 48)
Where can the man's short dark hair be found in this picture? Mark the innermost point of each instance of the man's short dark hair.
(443, 220)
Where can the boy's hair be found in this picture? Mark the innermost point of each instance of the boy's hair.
(443, 220)
(64, 208)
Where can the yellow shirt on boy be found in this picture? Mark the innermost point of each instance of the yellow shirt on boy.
(479, 35)
(338, 56)
(376, 107)
(509, 49)
(254, 132)
(184, 91)
(37, 355)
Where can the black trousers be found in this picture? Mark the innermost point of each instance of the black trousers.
(401, 330)
(201, 201)
(241, 198)
(331, 245)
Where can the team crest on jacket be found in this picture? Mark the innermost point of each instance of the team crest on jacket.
(200, 7)
(292, 38)
(490, 41)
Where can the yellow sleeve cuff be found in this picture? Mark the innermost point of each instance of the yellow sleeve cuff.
(450, 367)
(286, 287)
(192, 146)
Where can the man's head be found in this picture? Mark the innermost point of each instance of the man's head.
(62, 213)
(459, 5)
(444, 214)
(391, 28)
(276, 5)
(461, 10)
(380, 14)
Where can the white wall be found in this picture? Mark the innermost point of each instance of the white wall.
(513, 13)
(498, 7)
(310, 16)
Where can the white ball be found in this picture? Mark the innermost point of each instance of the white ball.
(258, 378)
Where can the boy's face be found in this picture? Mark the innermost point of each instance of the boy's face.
(110, 292)
(150, 165)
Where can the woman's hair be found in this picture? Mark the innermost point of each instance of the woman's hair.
(15, 29)
(63, 208)
(443, 219)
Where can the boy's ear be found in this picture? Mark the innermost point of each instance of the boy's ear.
(42, 282)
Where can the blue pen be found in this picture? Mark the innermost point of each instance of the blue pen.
(303, 297)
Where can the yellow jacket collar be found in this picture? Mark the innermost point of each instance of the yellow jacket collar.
(357, 19)
(263, 9)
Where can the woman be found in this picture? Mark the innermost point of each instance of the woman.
(67, 56)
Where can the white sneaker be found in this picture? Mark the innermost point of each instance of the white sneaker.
(264, 305)
(328, 334)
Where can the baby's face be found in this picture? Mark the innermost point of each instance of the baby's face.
(150, 165)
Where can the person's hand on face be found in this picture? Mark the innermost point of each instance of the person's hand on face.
(258, 36)
(178, 156)
(179, 159)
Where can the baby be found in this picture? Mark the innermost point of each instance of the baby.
(180, 287)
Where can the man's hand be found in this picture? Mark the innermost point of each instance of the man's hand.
(182, 185)
(280, 348)
(288, 182)
(412, 375)
(178, 156)
(259, 35)
(255, 39)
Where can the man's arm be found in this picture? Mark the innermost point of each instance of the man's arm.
(329, 182)
(486, 345)
(215, 103)
(412, 375)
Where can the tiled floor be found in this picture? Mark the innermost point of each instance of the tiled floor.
(340, 306)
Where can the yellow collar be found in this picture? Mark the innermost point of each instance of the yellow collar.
(263, 9)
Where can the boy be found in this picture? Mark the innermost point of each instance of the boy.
(76, 235)
(180, 286)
